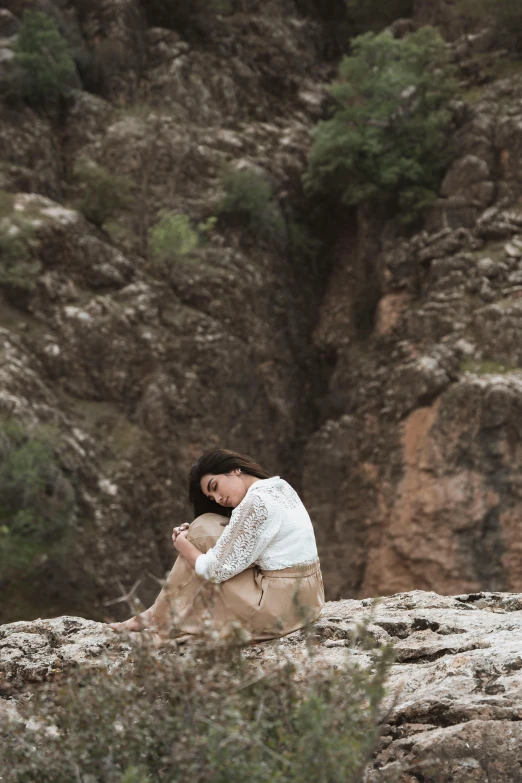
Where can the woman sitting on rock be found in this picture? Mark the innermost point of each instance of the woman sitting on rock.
(249, 555)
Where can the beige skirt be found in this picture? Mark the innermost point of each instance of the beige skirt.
(268, 604)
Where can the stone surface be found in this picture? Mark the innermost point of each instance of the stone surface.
(453, 704)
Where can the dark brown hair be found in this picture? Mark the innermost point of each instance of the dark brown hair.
(218, 461)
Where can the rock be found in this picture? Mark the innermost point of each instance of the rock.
(9, 24)
(488, 268)
(515, 277)
(420, 381)
(30, 160)
(453, 212)
(114, 31)
(453, 694)
(513, 250)
(88, 117)
(39, 650)
(465, 173)
(486, 293)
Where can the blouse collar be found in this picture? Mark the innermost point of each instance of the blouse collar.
(257, 483)
(271, 480)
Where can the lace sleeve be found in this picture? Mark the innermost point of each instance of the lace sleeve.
(243, 540)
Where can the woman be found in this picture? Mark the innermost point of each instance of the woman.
(249, 555)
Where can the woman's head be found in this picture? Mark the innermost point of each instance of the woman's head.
(219, 479)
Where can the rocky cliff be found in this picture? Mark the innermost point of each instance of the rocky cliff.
(452, 708)
(138, 367)
(381, 377)
(416, 483)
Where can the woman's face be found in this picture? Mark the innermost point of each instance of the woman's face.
(227, 489)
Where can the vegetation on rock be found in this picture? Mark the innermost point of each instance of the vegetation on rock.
(208, 713)
(387, 135)
(104, 193)
(18, 268)
(172, 238)
(44, 55)
(249, 196)
(38, 503)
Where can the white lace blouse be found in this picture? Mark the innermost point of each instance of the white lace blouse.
(270, 527)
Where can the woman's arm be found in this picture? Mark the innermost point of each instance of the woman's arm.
(252, 527)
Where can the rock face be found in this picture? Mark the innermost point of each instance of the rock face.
(453, 706)
(414, 481)
(140, 366)
(385, 384)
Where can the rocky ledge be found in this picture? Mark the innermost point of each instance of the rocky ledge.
(454, 700)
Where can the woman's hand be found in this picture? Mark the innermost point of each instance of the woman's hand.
(177, 530)
(181, 536)
(186, 548)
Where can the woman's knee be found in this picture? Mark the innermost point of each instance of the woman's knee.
(206, 525)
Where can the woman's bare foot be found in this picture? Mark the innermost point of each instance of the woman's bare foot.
(137, 623)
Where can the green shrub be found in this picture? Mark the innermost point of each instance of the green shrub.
(172, 238)
(388, 133)
(250, 198)
(203, 714)
(18, 268)
(43, 54)
(37, 502)
(104, 193)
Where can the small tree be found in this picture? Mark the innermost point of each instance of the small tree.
(172, 238)
(37, 502)
(18, 269)
(249, 196)
(104, 193)
(388, 132)
(43, 54)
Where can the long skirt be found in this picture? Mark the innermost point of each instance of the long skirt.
(268, 604)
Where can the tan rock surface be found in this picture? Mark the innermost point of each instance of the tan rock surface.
(453, 708)
(411, 478)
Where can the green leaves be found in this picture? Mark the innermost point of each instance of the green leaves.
(19, 268)
(38, 503)
(172, 238)
(388, 130)
(249, 196)
(43, 54)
